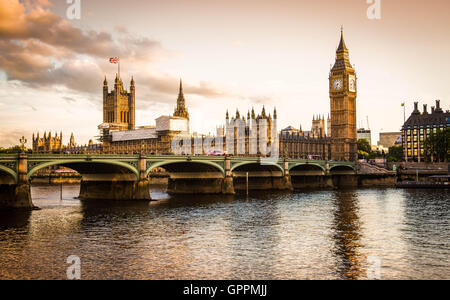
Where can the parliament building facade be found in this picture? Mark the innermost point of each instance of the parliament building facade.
(119, 135)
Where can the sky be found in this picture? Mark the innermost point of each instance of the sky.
(234, 54)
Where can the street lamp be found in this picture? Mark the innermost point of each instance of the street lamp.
(23, 141)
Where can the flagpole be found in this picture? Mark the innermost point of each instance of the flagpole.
(119, 65)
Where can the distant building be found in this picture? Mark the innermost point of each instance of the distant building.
(318, 126)
(363, 133)
(389, 139)
(118, 132)
(48, 143)
(421, 125)
(251, 136)
(314, 144)
(53, 144)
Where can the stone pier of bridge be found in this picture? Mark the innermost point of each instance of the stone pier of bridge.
(15, 191)
(116, 186)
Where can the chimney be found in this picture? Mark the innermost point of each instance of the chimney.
(425, 109)
(416, 108)
(438, 104)
(432, 109)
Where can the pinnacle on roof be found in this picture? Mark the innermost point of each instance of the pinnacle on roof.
(342, 46)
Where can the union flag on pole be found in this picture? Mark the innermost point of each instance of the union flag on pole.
(114, 60)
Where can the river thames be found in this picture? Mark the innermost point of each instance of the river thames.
(333, 234)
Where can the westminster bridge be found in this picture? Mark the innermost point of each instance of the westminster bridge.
(126, 177)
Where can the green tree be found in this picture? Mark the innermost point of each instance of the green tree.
(437, 146)
(364, 149)
(14, 149)
(395, 153)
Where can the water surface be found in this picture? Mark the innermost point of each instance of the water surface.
(270, 235)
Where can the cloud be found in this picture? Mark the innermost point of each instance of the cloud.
(261, 99)
(42, 49)
(31, 106)
(11, 137)
(69, 99)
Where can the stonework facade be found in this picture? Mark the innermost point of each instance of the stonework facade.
(118, 132)
(54, 144)
(314, 144)
(343, 92)
(251, 136)
(119, 105)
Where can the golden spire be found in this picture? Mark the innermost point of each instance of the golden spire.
(342, 58)
(342, 46)
(181, 110)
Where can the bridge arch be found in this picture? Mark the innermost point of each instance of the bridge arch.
(342, 170)
(8, 172)
(71, 162)
(250, 163)
(306, 164)
(166, 163)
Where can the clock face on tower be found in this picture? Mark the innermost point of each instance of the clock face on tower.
(351, 83)
(337, 84)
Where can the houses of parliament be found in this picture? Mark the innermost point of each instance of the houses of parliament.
(335, 140)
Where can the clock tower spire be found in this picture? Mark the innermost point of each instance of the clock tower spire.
(342, 85)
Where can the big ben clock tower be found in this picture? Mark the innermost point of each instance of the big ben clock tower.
(343, 106)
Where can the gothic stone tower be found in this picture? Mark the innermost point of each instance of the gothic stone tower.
(343, 106)
(180, 110)
(119, 105)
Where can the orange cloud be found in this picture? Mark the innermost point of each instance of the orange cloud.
(40, 47)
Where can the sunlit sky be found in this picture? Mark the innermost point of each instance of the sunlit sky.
(230, 54)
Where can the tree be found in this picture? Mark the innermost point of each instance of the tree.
(395, 153)
(364, 149)
(15, 149)
(363, 145)
(437, 146)
(363, 154)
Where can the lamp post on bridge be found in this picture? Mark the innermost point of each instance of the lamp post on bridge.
(22, 141)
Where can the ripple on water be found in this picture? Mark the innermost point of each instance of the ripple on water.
(271, 235)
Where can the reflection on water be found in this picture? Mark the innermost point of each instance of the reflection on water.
(311, 235)
(347, 234)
